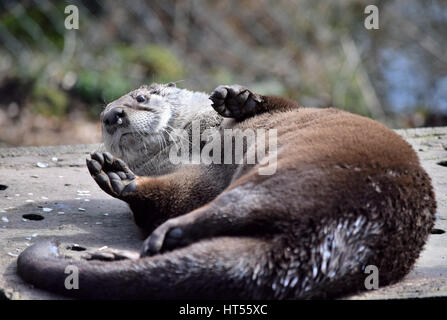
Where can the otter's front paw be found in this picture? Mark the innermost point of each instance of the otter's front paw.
(112, 175)
(235, 102)
(172, 234)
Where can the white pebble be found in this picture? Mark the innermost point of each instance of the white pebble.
(42, 164)
(5, 219)
(47, 209)
(60, 212)
(30, 193)
(12, 254)
(86, 200)
(102, 248)
(28, 238)
(34, 235)
(81, 209)
(17, 195)
(54, 159)
(61, 176)
(29, 200)
(24, 220)
(98, 222)
(77, 198)
(106, 214)
(44, 198)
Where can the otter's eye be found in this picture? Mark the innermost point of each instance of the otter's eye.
(140, 99)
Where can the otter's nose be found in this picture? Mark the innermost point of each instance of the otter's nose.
(113, 117)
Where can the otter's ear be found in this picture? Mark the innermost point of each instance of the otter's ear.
(171, 84)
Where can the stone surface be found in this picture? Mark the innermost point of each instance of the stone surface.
(64, 185)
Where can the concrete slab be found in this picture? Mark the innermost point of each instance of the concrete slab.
(76, 211)
(91, 219)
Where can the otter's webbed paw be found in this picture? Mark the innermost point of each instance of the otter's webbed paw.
(174, 233)
(111, 255)
(235, 102)
(112, 175)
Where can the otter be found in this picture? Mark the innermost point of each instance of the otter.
(347, 192)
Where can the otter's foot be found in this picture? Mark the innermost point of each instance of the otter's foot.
(235, 102)
(174, 233)
(111, 255)
(112, 175)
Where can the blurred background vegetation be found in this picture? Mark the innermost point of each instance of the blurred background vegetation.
(54, 82)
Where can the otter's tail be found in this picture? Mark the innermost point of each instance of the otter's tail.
(326, 264)
(210, 269)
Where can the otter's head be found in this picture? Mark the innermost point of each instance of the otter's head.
(139, 123)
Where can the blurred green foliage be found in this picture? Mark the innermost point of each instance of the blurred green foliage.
(49, 101)
(109, 83)
(316, 52)
(156, 60)
(89, 76)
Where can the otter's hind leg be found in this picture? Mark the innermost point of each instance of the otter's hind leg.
(238, 212)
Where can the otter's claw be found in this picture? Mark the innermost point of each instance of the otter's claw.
(112, 175)
(172, 234)
(235, 102)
